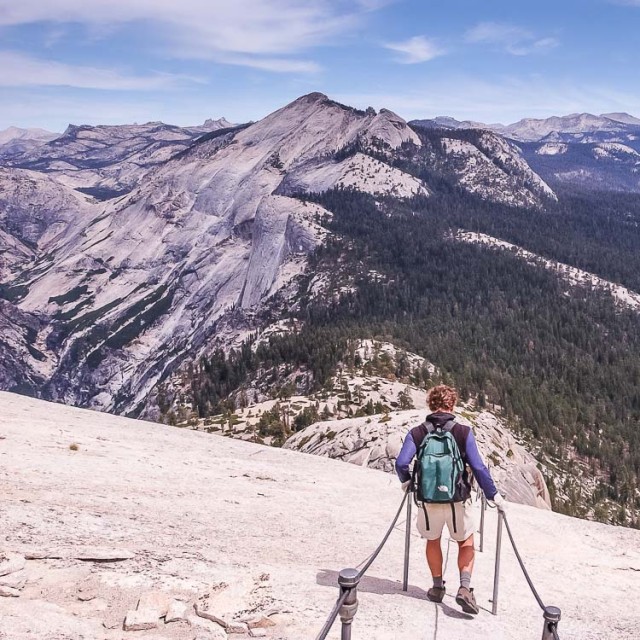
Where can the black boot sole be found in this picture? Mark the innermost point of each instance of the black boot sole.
(466, 606)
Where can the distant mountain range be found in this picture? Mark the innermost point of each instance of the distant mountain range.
(15, 140)
(581, 127)
(596, 152)
(104, 160)
(578, 127)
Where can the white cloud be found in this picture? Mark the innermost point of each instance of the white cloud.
(18, 70)
(221, 30)
(511, 38)
(415, 50)
(280, 65)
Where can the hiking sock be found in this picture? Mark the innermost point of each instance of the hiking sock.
(465, 579)
(438, 583)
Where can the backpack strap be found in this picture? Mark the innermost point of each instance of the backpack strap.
(426, 517)
(420, 432)
(449, 426)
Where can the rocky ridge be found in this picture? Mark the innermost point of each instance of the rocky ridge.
(574, 277)
(491, 160)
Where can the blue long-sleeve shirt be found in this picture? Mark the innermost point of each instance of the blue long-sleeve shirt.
(472, 458)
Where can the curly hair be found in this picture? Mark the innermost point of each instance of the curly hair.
(442, 397)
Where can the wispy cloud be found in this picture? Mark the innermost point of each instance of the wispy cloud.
(415, 50)
(226, 31)
(279, 65)
(510, 38)
(18, 70)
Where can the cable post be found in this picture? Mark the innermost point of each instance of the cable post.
(483, 508)
(348, 580)
(407, 546)
(496, 573)
(551, 619)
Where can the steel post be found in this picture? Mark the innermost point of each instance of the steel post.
(551, 619)
(407, 546)
(483, 508)
(348, 580)
(496, 573)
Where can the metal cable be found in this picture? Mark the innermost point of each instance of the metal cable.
(524, 570)
(536, 595)
(374, 555)
(336, 609)
(371, 554)
(343, 596)
(333, 615)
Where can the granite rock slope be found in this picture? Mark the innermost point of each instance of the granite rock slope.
(139, 520)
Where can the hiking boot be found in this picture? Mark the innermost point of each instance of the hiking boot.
(436, 594)
(467, 600)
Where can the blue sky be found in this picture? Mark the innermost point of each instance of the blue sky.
(181, 61)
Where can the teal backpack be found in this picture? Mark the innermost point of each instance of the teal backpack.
(438, 471)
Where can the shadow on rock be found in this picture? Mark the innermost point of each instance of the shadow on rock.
(454, 613)
(370, 584)
(383, 586)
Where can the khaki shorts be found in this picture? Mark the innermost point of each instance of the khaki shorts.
(441, 514)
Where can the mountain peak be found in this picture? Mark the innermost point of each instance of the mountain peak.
(220, 123)
(17, 133)
(625, 118)
(314, 96)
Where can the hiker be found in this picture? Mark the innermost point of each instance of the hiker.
(446, 501)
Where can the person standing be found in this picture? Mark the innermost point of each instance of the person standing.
(454, 511)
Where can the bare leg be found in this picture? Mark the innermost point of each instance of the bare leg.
(434, 557)
(466, 555)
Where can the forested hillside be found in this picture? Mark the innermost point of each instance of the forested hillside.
(566, 368)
